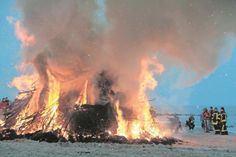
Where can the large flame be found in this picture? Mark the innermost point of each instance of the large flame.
(46, 118)
(143, 125)
(51, 113)
(55, 85)
(42, 111)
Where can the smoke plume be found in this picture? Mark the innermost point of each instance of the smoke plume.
(74, 45)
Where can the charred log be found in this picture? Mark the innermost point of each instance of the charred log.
(92, 119)
(45, 136)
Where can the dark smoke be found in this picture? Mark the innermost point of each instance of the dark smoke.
(104, 84)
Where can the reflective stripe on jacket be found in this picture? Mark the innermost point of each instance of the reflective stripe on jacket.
(215, 118)
(223, 117)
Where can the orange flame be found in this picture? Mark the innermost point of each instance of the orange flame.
(49, 118)
(82, 99)
(51, 114)
(24, 82)
(143, 124)
(122, 124)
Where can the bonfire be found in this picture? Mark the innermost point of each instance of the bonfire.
(78, 83)
(45, 112)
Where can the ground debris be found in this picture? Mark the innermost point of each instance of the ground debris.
(53, 137)
(8, 134)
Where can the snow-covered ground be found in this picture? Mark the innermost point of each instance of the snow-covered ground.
(197, 144)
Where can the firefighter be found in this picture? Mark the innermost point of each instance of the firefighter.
(216, 121)
(202, 119)
(223, 121)
(190, 122)
(210, 121)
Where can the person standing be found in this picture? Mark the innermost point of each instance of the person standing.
(206, 118)
(210, 120)
(216, 121)
(202, 118)
(4, 103)
(223, 122)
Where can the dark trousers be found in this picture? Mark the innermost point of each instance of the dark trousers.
(223, 130)
(216, 128)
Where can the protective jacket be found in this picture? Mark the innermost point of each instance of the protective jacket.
(223, 117)
(223, 121)
(215, 118)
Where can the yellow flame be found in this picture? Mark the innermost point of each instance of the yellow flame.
(143, 124)
(82, 99)
(122, 124)
(51, 113)
(49, 118)
(24, 83)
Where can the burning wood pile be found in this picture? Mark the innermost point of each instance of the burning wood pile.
(104, 121)
(90, 81)
(88, 123)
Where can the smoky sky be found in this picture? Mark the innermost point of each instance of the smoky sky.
(75, 44)
(192, 32)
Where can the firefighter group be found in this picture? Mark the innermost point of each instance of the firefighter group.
(214, 120)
